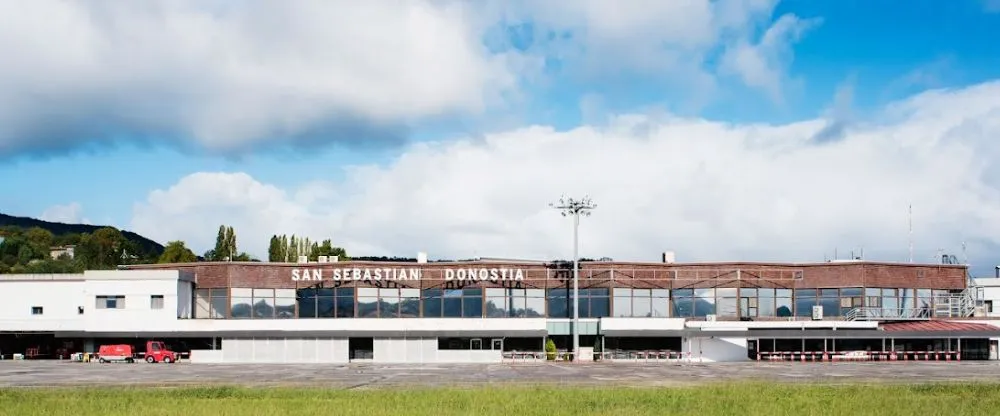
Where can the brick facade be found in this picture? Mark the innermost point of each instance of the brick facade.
(593, 274)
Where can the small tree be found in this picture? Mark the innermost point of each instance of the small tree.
(550, 350)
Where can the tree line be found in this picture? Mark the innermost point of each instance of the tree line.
(31, 250)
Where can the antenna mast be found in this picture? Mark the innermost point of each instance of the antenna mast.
(911, 232)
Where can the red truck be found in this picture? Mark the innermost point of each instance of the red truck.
(156, 352)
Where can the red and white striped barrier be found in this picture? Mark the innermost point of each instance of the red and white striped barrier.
(854, 356)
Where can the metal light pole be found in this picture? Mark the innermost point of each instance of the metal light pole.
(575, 208)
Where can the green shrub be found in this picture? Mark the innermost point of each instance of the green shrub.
(550, 350)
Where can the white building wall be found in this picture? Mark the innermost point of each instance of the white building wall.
(276, 350)
(716, 349)
(424, 350)
(62, 296)
(57, 298)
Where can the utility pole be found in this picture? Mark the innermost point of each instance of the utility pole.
(575, 208)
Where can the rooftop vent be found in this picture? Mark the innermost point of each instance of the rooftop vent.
(421, 257)
(303, 259)
(669, 257)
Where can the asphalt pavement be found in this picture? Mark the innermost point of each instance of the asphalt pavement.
(361, 376)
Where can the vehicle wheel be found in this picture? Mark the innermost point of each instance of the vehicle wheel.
(150, 360)
(102, 361)
(129, 360)
(167, 360)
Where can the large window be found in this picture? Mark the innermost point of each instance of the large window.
(326, 302)
(211, 303)
(594, 303)
(453, 303)
(641, 303)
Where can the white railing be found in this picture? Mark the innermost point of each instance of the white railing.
(887, 314)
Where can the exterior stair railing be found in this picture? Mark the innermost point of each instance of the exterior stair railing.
(887, 314)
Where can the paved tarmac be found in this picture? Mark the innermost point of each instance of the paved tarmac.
(365, 376)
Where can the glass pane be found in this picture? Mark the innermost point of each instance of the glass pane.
(641, 306)
(851, 292)
(518, 307)
(622, 306)
(704, 293)
(345, 307)
(726, 292)
(803, 306)
(263, 308)
(660, 306)
(241, 307)
(600, 307)
(726, 307)
(367, 306)
(535, 307)
(704, 306)
(432, 307)
(621, 291)
(683, 307)
(782, 293)
(238, 292)
(494, 292)
(220, 306)
(784, 307)
(829, 293)
(750, 292)
(367, 292)
(472, 307)
(409, 307)
(263, 293)
(284, 307)
(641, 293)
(765, 307)
(284, 293)
(682, 293)
(325, 307)
(496, 306)
(452, 307)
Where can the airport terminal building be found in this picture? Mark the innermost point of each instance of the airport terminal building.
(495, 310)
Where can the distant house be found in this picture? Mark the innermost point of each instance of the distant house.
(59, 251)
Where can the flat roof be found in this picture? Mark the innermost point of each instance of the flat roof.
(539, 262)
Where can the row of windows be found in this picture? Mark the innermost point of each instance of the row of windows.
(243, 303)
(108, 302)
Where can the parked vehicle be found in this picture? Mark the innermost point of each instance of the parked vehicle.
(118, 352)
(156, 352)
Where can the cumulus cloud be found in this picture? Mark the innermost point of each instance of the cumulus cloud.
(230, 76)
(708, 190)
(71, 213)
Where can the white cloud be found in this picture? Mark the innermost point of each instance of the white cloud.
(71, 213)
(763, 64)
(709, 190)
(228, 75)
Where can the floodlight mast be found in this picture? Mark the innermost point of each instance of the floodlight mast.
(575, 208)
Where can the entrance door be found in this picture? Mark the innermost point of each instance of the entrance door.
(498, 344)
(477, 344)
(994, 354)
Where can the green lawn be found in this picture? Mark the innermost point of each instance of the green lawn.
(729, 399)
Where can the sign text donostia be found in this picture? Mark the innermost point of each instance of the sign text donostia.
(405, 273)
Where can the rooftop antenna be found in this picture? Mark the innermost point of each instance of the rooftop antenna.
(911, 232)
(965, 255)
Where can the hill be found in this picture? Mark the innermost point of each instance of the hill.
(58, 228)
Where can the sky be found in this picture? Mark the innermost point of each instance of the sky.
(752, 130)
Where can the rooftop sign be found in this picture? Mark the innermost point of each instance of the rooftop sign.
(404, 273)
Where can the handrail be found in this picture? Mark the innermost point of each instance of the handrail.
(868, 313)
